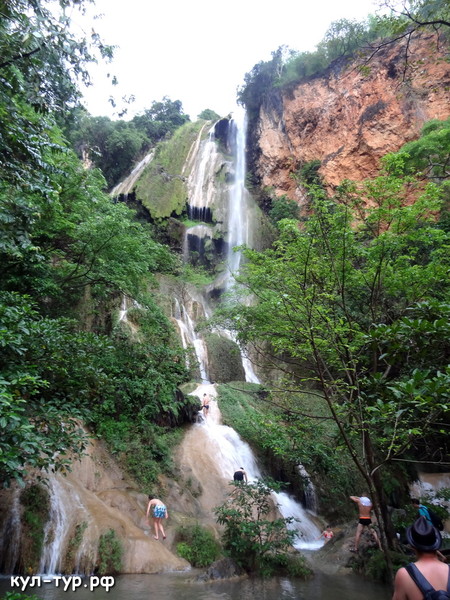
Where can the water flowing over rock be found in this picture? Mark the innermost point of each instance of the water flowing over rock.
(95, 497)
(210, 454)
(126, 186)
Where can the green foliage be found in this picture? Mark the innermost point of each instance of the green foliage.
(161, 119)
(110, 553)
(250, 538)
(343, 301)
(197, 545)
(41, 60)
(283, 208)
(208, 115)
(259, 82)
(19, 596)
(161, 187)
(309, 173)
(36, 508)
(42, 392)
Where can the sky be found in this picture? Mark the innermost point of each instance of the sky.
(198, 51)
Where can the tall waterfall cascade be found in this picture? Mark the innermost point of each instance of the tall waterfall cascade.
(221, 208)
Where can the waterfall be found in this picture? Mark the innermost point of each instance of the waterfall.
(238, 223)
(126, 186)
(55, 530)
(222, 207)
(229, 452)
(189, 338)
(310, 490)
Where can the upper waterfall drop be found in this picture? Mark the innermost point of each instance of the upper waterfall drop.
(239, 224)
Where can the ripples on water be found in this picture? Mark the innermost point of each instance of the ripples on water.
(182, 586)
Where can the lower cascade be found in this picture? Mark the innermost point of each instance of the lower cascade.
(223, 451)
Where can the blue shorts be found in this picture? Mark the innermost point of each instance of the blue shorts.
(159, 511)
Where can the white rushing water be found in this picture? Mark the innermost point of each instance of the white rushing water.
(55, 530)
(238, 222)
(231, 452)
(126, 186)
(189, 337)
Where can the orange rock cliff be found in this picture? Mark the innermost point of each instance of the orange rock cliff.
(348, 117)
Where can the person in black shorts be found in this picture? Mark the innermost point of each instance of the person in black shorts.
(365, 509)
(205, 404)
(240, 475)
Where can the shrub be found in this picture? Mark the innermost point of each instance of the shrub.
(197, 545)
(109, 553)
(255, 542)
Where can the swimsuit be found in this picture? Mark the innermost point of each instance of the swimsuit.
(238, 476)
(159, 511)
(328, 535)
(365, 521)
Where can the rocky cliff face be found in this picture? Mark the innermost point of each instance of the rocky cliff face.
(350, 117)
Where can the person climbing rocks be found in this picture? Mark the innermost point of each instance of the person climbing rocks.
(428, 576)
(205, 404)
(159, 512)
(240, 475)
(365, 520)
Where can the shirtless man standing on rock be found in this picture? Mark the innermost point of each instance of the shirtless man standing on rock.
(365, 520)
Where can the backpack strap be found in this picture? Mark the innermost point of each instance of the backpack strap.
(422, 583)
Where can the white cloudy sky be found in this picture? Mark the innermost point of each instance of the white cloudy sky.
(198, 51)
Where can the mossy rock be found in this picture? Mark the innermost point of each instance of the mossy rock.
(224, 359)
(161, 188)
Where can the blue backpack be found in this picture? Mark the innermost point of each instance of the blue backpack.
(428, 591)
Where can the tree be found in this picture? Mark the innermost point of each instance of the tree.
(405, 20)
(41, 62)
(363, 261)
(208, 115)
(283, 208)
(161, 119)
(251, 538)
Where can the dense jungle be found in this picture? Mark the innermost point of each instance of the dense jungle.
(339, 306)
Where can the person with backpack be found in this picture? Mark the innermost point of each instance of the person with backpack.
(429, 514)
(428, 578)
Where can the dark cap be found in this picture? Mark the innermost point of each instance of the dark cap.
(423, 536)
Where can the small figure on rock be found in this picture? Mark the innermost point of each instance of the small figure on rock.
(159, 511)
